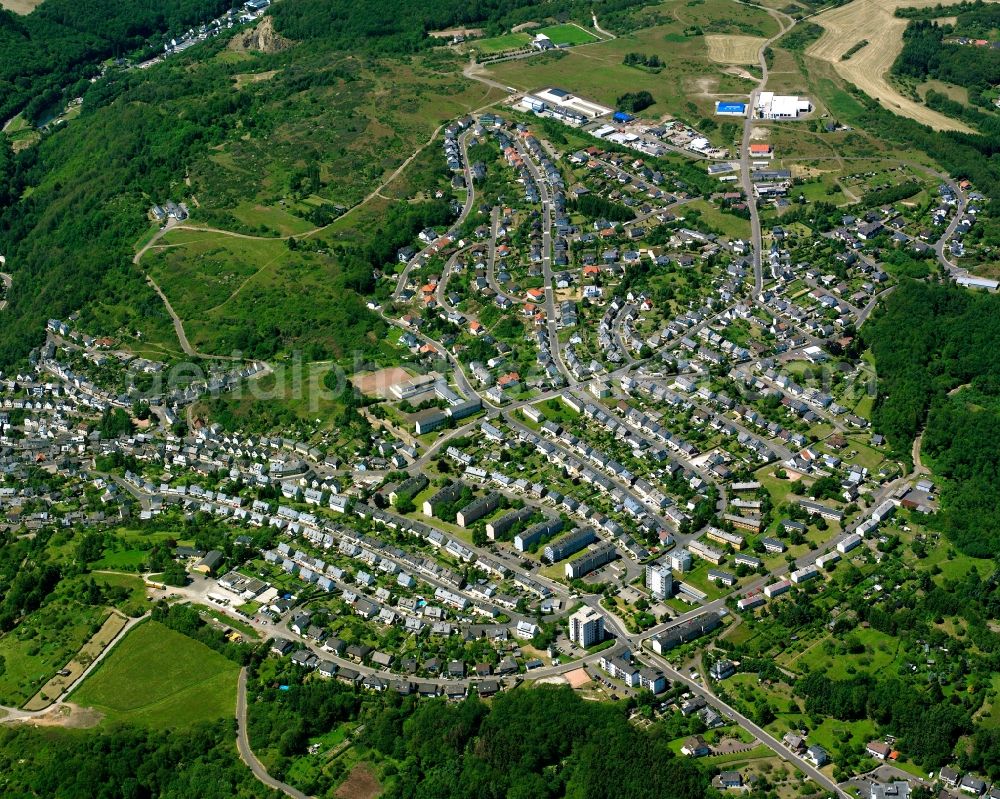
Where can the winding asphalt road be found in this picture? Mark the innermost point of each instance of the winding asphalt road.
(241, 710)
(246, 753)
(551, 325)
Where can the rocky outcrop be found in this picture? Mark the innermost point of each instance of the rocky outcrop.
(260, 39)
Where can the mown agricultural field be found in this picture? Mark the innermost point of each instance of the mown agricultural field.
(868, 68)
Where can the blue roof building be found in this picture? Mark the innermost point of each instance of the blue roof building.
(727, 108)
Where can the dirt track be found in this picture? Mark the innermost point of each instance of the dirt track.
(867, 69)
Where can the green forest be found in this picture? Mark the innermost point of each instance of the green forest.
(937, 710)
(927, 54)
(532, 743)
(126, 763)
(53, 52)
(927, 727)
(72, 206)
(938, 10)
(400, 26)
(937, 353)
(927, 722)
(541, 742)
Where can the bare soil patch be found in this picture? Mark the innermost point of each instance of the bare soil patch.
(739, 73)
(451, 32)
(70, 716)
(578, 678)
(246, 78)
(261, 39)
(377, 384)
(702, 87)
(361, 783)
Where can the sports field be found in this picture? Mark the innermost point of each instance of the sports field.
(160, 678)
(567, 34)
(868, 68)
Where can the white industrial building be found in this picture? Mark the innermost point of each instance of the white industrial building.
(973, 282)
(554, 96)
(781, 106)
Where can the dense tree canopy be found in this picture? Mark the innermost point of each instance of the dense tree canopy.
(927, 728)
(538, 743)
(926, 54)
(401, 25)
(52, 52)
(126, 763)
(635, 102)
(601, 208)
(937, 351)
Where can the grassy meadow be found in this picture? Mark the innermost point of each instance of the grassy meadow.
(160, 678)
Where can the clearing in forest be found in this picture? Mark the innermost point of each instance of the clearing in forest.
(361, 783)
